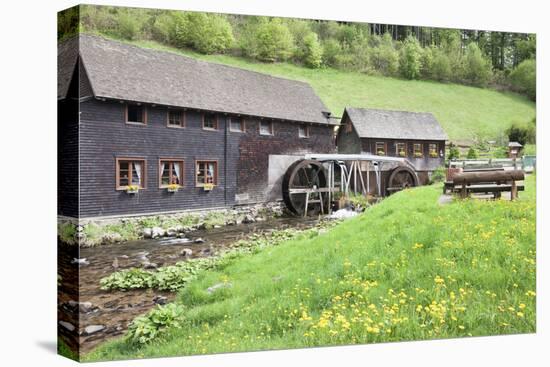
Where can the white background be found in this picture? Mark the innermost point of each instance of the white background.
(28, 196)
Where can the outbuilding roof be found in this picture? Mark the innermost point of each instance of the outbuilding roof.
(386, 124)
(121, 71)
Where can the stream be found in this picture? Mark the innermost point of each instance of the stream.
(89, 316)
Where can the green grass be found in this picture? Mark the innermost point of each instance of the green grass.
(64, 350)
(530, 149)
(406, 269)
(464, 112)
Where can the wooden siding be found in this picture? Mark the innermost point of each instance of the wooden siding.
(85, 88)
(67, 151)
(426, 163)
(347, 141)
(254, 150)
(242, 158)
(105, 136)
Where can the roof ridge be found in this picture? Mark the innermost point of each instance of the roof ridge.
(386, 110)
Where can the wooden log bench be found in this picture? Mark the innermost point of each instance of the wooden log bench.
(490, 182)
(452, 172)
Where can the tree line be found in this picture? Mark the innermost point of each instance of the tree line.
(501, 60)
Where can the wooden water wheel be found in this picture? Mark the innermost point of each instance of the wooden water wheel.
(305, 188)
(401, 178)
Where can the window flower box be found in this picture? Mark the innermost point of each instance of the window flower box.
(132, 189)
(208, 187)
(381, 152)
(434, 155)
(173, 188)
(418, 155)
(402, 153)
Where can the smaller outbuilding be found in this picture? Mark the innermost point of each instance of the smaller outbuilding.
(416, 136)
(514, 149)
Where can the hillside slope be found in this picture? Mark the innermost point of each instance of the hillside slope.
(406, 269)
(465, 112)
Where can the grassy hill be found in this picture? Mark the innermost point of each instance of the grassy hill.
(407, 269)
(465, 112)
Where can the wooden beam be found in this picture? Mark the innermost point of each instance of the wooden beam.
(489, 176)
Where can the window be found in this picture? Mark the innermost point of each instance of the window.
(401, 149)
(417, 150)
(136, 114)
(209, 121)
(170, 172)
(432, 148)
(380, 148)
(236, 124)
(176, 118)
(206, 173)
(266, 127)
(130, 171)
(303, 131)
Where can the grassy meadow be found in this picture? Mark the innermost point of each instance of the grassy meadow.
(465, 113)
(407, 269)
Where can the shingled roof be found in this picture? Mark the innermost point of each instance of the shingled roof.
(67, 54)
(120, 71)
(385, 124)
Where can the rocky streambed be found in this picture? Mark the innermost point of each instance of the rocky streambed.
(89, 315)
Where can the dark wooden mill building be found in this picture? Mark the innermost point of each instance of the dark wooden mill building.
(416, 137)
(186, 134)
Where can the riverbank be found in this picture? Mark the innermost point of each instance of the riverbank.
(90, 315)
(107, 231)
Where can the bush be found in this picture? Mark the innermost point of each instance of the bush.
(268, 41)
(524, 78)
(438, 175)
(172, 277)
(441, 66)
(67, 22)
(312, 52)
(522, 134)
(410, 58)
(144, 329)
(67, 233)
(359, 54)
(128, 27)
(477, 68)
(206, 33)
(454, 153)
(384, 58)
(299, 29)
(472, 153)
(331, 50)
(163, 28)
